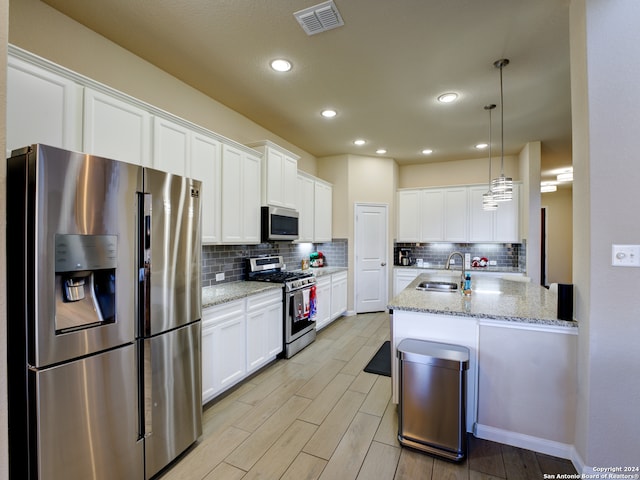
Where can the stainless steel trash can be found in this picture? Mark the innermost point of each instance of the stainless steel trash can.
(431, 413)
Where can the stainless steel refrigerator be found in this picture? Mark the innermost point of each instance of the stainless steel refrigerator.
(104, 309)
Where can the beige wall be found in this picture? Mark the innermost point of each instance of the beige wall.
(359, 179)
(40, 29)
(558, 206)
(604, 36)
(460, 172)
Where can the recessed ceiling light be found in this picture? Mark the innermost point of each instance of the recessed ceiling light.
(381, 151)
(482, 146)
(427, 151)
(359, 142)
(328, 113)
(281, 65)
(447, 97)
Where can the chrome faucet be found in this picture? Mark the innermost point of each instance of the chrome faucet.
(448, 265)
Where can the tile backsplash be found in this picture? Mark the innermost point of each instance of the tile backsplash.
(506, 255)
(230, 259)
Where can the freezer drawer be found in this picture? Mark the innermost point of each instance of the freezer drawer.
(86, 420)
(174, 410)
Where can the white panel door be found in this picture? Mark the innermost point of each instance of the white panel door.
(371, 279)
(115, 129)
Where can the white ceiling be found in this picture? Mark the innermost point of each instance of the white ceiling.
(381, 71)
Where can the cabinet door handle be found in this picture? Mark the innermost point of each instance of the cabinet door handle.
(383, 264)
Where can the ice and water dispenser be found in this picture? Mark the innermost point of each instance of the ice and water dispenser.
(85, 271)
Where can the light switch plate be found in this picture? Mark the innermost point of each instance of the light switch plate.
(625, 255)
(219, 277)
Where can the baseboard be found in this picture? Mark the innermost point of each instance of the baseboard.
(540, 445)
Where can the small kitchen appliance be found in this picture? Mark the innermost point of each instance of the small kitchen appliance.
(405, 257)
(298, 298)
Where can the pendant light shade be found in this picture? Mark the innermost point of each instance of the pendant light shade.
(502, 186)
(488, 202)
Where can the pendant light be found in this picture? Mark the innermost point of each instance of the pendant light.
(488, 203)
(502, 186)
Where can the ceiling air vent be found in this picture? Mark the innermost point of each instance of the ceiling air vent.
(319, 18)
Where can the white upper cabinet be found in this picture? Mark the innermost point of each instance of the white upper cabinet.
(205, 166)
(279, 175)
(314, 201)
(507, 226)
(323, 204)
(305, 205)
(116, 129)
(432, 217)
(409, 215)
(480, 221)
(500, 225)
(240, 187)
(171, 146)
(455, 214)
(42, 107)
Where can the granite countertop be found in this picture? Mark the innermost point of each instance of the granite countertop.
(227, 292)
(491, 298)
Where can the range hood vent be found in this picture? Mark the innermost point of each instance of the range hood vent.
(319, 18)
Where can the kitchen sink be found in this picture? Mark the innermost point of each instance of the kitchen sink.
(437, 286)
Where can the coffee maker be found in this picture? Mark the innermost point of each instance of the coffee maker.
(404, 257)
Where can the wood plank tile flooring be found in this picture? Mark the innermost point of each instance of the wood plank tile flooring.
(319, 416)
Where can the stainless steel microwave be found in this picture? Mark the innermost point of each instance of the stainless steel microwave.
(279, 223)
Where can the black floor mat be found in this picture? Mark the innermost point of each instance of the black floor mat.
(380, 364)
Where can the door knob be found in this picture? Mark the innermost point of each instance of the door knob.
(383, 264)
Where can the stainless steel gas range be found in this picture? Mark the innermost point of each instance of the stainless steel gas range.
(298, 297)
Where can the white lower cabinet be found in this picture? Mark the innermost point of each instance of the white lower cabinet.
(223, 347)
(238, 338)
(264, 329)
(402, 277)
(338, 294)
(331, 293)
(323, 302)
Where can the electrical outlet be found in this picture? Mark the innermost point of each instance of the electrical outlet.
(493, 262)
(452, 261)
(625, 255)
(219, 277)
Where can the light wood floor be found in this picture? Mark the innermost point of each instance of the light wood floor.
(319, 416)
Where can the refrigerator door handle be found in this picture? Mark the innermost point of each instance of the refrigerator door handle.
(147, 389)
(145, 273)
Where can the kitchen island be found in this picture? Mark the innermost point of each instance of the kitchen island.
(521, 383)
